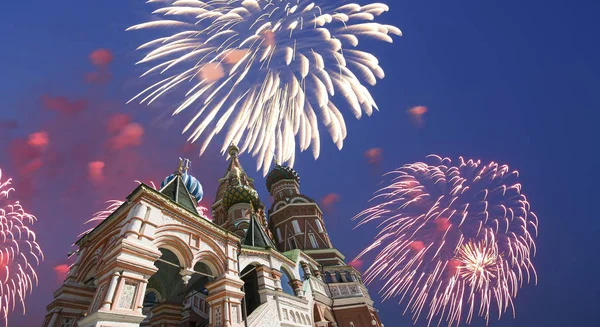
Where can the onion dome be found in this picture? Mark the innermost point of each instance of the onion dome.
(239, 193)
(192, 184)
(280, 173)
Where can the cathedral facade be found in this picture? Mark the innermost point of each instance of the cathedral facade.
(157, 261)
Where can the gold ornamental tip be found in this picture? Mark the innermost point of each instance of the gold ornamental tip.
(233, 150)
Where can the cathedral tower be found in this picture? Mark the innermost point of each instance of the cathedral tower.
(296, 220)
(236, 198)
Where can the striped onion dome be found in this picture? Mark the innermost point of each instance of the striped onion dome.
(191, 184)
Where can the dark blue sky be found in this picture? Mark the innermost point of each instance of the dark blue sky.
(510, 81)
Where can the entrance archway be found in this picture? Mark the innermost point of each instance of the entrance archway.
(167, 288)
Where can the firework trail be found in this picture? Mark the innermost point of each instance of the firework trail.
(19, 252)
(269, 68)
(113, 205)
(455, 241)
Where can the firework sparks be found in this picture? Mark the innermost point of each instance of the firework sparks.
(19, 252)
(267, 68)
(456, 241)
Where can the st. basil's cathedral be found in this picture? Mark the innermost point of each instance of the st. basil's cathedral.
(158, 261)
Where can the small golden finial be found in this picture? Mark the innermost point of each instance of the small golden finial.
(275, 160)
(180, 167)
(233, 150)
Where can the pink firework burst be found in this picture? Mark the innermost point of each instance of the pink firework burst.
(19, 252)
(455, 241)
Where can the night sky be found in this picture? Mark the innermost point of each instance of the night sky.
(514, 82)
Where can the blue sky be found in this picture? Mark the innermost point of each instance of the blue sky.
(509, 81)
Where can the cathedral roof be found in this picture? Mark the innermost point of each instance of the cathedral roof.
(240, 194)
(182, 188)
(281, 173)
(236, 187)
(191, 184)
(177, 192)
(256, 235)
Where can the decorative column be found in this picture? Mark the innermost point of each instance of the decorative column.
(110, 294)
(129, 276)
(53, 319)
(306, 269)
(277, 279)
(141, 294)
(226, 309)
(224, 294)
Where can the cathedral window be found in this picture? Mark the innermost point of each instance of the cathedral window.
(348, 276)
(286, 282)
(319, 227)
(313, 240)
(296, 227)
(292, 243)
(279, 239)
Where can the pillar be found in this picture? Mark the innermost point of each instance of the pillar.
(306, 269)
(276, 274)
(110, 293)
(225, 300)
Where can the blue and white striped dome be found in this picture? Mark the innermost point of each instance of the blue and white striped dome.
(191, 183)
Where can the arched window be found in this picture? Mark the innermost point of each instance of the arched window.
(319, 226)
(348, 276)
(313, 241)
(301, 272)
(286, 280)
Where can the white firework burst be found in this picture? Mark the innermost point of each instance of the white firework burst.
(266, 69)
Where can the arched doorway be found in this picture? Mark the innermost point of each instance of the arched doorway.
(166, 287)
(250, 289)
(196, 308)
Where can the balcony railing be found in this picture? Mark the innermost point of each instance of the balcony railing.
(342, 290)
